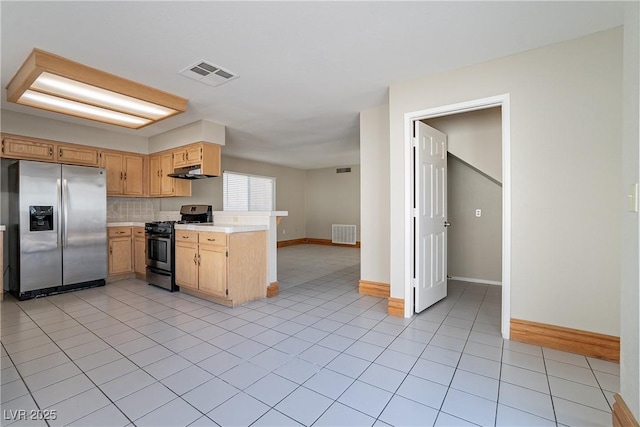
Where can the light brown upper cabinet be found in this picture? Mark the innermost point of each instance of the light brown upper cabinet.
(155, 175)
(128, 174)
(78, 155)
(15, 147)
(125, 173)
(201, 153)
(162, 185)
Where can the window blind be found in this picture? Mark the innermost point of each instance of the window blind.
(243, 192)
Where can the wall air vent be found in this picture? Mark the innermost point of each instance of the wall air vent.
(343, 170)
(208, 73)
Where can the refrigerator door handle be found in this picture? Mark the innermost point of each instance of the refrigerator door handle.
(65, 210)
(59, 233)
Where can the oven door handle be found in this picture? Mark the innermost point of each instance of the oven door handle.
(160, 236)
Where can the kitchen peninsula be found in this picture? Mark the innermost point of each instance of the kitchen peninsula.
(271, 219)
(224, 263)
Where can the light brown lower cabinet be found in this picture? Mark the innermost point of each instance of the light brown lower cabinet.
(120, 252)
(230, 269)
(139, 252)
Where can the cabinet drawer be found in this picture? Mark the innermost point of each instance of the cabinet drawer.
(138, 231)
(186, 236)
(119, 231)
(213, 238)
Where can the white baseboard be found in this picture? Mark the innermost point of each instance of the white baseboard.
(482, 281)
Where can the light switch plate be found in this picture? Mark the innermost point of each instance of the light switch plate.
(633, 198)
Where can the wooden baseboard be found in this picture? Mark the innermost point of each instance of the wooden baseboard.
(591, 344)
(374, 289)
(285, 243)
(273, 289)
(395, 307)
(622, 415)
(312, 241)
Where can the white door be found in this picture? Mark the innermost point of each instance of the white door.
(430, 232)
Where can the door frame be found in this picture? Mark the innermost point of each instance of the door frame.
(502, 101)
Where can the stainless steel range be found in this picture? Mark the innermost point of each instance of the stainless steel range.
(160, 240)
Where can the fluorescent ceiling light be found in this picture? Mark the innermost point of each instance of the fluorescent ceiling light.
(54, 83)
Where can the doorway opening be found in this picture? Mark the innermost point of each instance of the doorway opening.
(501, 101)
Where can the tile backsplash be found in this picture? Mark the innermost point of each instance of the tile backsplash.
(129, 209)
(167, 216)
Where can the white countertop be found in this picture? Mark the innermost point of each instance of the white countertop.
(125, 224)
(221, 228)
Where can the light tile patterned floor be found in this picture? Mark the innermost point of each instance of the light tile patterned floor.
(318, 354)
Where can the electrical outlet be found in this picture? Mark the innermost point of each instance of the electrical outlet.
(633, 198)
(478, 213)
(284, 231)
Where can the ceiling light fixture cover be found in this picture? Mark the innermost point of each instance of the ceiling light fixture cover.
(54, 83)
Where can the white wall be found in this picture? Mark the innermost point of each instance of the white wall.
(475, 137)
(290, 193)
(290, 182)
(565, 158)
(630, 289)
(374, 195)
(474, 244)
(332, 198)
(198, 131)
(40, 127)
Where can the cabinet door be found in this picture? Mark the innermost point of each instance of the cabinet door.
(112, 162)
(187, 264)
(72, 155)
(25, 149)
(193, 155)
(139, 251)
(211, 163)
(133, 180)
(166, 167)
(120, 256)
(213, 270)
(179, 158)
(155, 179)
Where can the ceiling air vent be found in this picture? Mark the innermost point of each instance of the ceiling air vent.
(343, 170)
(208, 73)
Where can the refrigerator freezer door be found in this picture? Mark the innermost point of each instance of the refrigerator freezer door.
(84, 231)
(40, 237)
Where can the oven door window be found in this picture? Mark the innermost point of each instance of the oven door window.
(157, 250)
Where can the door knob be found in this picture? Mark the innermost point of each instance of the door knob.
(447, 223)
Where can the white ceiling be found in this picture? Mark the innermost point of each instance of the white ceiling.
(306, 68)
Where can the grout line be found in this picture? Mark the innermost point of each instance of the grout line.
(329, 291)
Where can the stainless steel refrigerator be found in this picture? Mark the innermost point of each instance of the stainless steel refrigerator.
(57, 228)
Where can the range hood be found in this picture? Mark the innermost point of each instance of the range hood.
(189, 172)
